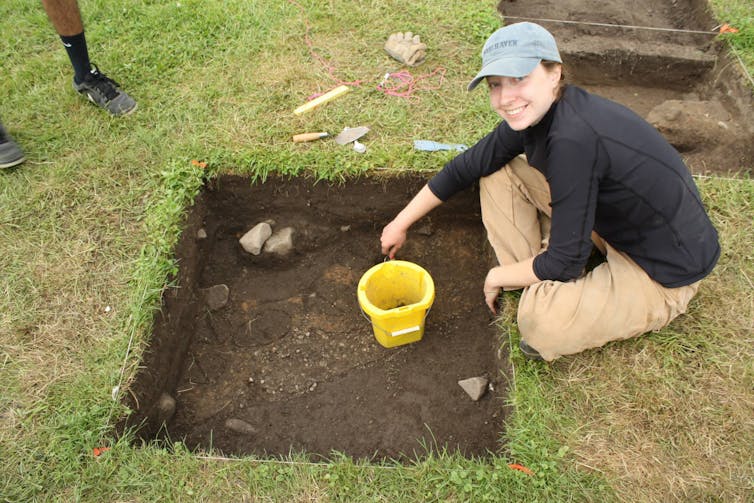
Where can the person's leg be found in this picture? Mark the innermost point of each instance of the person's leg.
(516, 214)
(65, 17)
(617, 300)
(515, 211)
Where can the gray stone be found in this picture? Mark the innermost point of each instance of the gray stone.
(201, 234)
(254, 240)
(216, 296)
(475, 387)
(165, 408)
(281, 242)
(425, 228)
(240, 426)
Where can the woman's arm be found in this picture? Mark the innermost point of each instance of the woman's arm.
(511, 277)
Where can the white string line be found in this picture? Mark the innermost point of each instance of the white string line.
(727, 179)
(610, 25)
(294, 463)
(329, 464)
(118, 389)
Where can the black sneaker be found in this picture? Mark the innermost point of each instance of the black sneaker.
(10, 153)
(105, 92)
(529, 351)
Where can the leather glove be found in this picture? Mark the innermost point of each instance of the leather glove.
(406, 48)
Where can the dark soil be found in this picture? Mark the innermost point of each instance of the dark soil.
(291, 364)
(292, 355)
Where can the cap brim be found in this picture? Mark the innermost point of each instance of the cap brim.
(505, 67)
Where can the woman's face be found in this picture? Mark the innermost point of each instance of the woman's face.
(523, 101)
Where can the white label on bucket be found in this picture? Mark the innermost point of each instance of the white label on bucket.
(405, 331)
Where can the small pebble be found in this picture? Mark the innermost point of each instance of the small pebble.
(240, 426)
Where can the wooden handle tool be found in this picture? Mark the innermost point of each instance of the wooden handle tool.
(298, 138)
(311, 105)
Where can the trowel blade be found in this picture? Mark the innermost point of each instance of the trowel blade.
(350, 134)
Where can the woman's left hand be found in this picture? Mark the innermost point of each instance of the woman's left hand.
(513, 276)
(491, 291)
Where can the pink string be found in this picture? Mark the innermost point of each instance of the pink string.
(403, 85)
(322, 61)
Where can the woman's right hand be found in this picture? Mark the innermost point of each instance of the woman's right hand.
(393, 237)
(394, 233)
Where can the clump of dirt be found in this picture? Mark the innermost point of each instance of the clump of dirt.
(648, 56)
(290, 363)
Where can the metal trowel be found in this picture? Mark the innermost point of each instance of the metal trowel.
(350, 134)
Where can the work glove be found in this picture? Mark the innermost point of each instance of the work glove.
(406, 48)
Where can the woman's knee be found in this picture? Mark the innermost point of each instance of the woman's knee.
(553, 322)
(539, 325)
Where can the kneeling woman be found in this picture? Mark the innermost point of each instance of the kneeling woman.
(566, 171)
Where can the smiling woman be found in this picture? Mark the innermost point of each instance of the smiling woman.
(565, 175)
(523, 101)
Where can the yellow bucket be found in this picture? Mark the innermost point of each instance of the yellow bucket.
(396, 295)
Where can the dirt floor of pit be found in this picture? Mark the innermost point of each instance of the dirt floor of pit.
(685, 84)
(292, 356)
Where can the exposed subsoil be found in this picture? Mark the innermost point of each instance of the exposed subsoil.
(291, 364)
(292, 356)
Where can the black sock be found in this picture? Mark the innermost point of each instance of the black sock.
(75, 46)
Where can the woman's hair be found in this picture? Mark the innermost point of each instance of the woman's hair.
(549, 66)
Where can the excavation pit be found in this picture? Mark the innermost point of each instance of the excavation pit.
(289, 363)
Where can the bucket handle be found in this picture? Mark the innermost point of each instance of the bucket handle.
(397, 332)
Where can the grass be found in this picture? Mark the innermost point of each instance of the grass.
(740, 15)
(88, 224)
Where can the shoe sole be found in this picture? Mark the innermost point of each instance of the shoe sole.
(12, 163)
(93, 102)
(534, 357)
(531, 355)
(130, 111)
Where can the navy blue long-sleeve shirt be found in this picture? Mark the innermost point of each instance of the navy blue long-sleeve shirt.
(609, 171)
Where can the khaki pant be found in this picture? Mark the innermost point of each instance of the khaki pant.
(617, 300)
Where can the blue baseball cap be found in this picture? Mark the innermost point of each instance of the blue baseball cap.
(515, 50)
